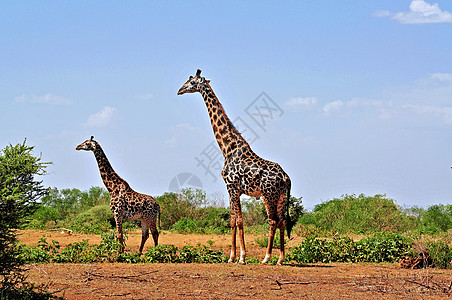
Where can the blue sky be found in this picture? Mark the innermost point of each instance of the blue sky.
(361, 91)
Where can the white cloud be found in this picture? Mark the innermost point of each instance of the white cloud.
(145, 96)
(444, 77)
(381, 13)
(180, 134)
(333, 106)
(420, 12)
(445, 112)
(298, 104)
(47, 99)
(102, 118)
(360, 102)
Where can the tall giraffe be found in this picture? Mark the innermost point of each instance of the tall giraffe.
(125, 203)
(244, 172)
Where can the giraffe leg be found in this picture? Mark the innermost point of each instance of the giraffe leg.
(233, 233)
(119, 232)
(154, 231)
(236, 221)
(281, 244)
(271, 237)
(241, 235)
(282, 226)
(144, 233)
(271, 207)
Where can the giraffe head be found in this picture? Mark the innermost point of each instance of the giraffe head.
(88, 145)
(193, 84)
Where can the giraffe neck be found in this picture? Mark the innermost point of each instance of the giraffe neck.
(109, 176)
(227, 136)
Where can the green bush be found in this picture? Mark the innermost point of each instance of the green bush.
(162, 254)
(186, 204)
(19, 193)
(263, 241)
(441, 254)
(59, 207)
(383, 248)
(358, 214)
(45, 217)
(437, 218)
(389, 248)
(254, 212)
(186, 226)
(95, 220)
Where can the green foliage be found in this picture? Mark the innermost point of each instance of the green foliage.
(358, 214)
(441, 254)
(389, 248)
(189, 254)
(59, 207)
(254, 212)
(82, 211)
(437, 218)
(95, 220)
(294, 210)
(177, 206)
(44, 218)
(383, 248)
(185, 226)
(109, 251)
(263, 241)
(162, 254)
(190, 212)
(19, 192)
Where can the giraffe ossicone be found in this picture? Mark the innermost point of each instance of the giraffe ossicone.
(125, 203)
(244, 172)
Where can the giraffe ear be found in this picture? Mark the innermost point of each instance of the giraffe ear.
(198, 73)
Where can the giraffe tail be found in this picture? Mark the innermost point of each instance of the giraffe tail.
(158, 216)
(289, 223)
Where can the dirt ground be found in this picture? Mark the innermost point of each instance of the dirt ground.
(229, 281)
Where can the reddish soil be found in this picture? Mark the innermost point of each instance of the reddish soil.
(229, 281)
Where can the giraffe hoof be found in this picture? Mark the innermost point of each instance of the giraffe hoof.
(241, 262)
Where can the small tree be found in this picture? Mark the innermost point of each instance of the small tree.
(19, 191)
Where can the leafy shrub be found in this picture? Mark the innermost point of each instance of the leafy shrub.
(59, 207)
(358, 214)
(44, 218)
(441, 254)
(310, 230)
(33, 255)
(162, 254)
(187, 203)
(383, 248)
(96, 220)
(254, 212)
(185, 226)
(189, 254)
(263, 241)
(19, 192)
(437, 218)
(215, 220)
(390, 248)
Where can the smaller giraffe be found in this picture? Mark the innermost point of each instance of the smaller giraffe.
(125, 203)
